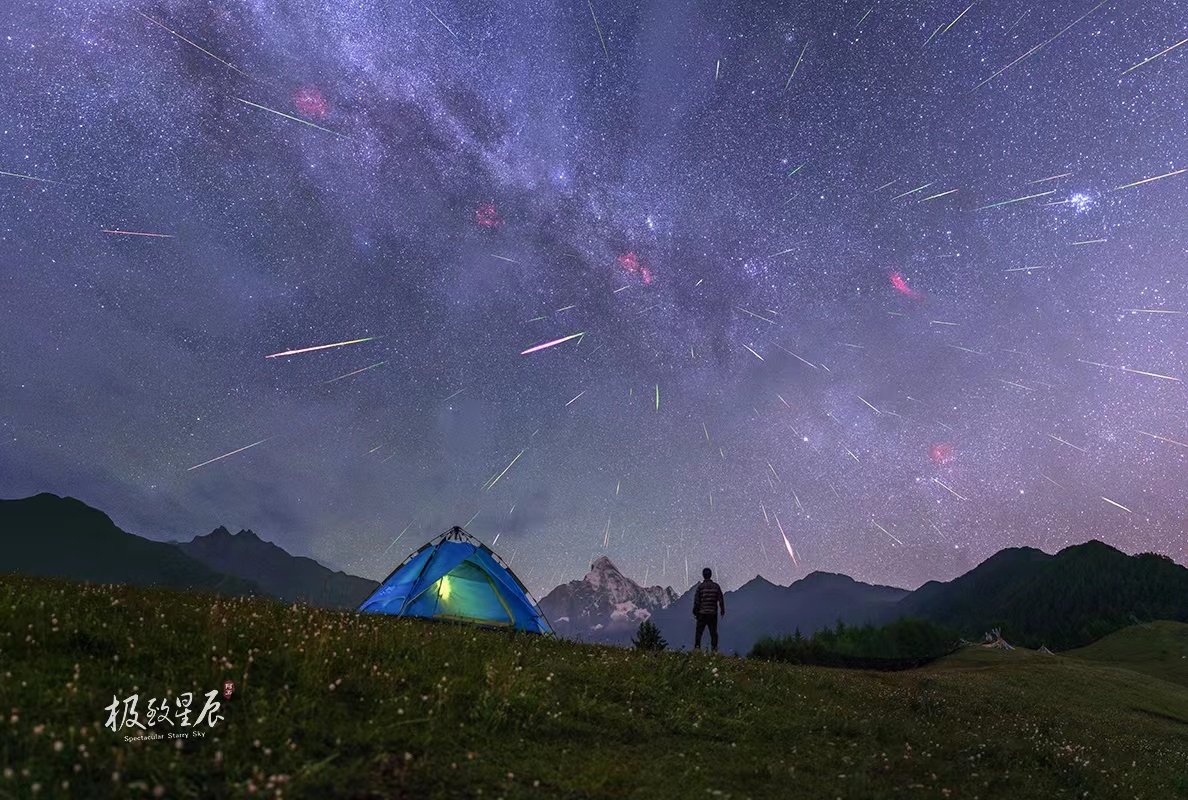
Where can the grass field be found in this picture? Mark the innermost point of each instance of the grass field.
(1157, 648)
(334, 704)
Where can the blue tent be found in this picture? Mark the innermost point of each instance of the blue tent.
(456, 577)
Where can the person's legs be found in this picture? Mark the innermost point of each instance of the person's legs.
(713, 628)
(700, 630)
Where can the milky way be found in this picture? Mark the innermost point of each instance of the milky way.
(874, 289)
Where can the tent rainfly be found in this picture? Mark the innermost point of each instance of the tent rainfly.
(456, 577)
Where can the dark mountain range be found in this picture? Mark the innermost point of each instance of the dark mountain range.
(1065, 600)
(1077, 596)
(64, 537)
(760, 608)
(290, 578)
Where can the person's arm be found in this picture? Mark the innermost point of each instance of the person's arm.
(722, 600)
(696, 601)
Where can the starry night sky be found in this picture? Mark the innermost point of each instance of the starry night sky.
(719, 196)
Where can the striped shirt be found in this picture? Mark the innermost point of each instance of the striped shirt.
(708, 599)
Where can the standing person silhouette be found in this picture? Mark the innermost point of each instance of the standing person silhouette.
(706, 601)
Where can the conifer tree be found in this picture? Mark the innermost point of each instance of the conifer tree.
(648, 637)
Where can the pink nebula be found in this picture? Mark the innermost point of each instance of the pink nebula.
(897, 280)
(941, 453)
(486, 217)
(630, 262)
(310, 102)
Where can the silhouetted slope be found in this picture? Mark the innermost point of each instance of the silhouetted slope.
(290, 578)
(1067, 600)
(760, 608)
(64, 537)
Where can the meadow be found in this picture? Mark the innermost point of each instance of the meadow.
(336, 704)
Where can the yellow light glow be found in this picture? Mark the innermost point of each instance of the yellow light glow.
(443, 588)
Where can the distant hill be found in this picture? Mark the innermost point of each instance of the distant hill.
(1157, 648)
(290, 578)
(761, 608)
(60, 536)
(1067, 600)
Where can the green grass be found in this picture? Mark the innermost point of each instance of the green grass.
(1159, 649)
(332, 704)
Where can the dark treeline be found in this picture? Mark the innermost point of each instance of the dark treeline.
(1068, 601)
(902, 644)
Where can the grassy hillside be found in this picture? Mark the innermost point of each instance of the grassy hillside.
(1158, 648)
(333, 704)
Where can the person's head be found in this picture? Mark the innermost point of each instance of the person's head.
(706, 573)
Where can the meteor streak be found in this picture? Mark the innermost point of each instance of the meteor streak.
(192, 44)
(1038, 46)
(1025, 269)
(1149, 180)
(1151, 374)
(1157, 55)
(582, 392)
(295, 119)
(864, 16)
(798, 358)
(138, 233)
(793, 75)
(1051, 178)
(599, 29)
(959, 16)
(322, 347)
(1019, 385)
(1152, 311)
(756, 316)
(885, 185)
(1119, 505)
(503, 258)
(455, 394)
(1163, 439)
(756, 355)
(364, 369)
(884, 530)
(226, 455)
(491, 485)
(657, 397)
(942, 194)
(1089, 241)
(552, 343)
(27, 177)
(1049, 480)
(913, 191)
(1017, 200)
(472, 519)
(948, 488)
(787, 544)
(860, 397)
(447, 27)
(1070, 444)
